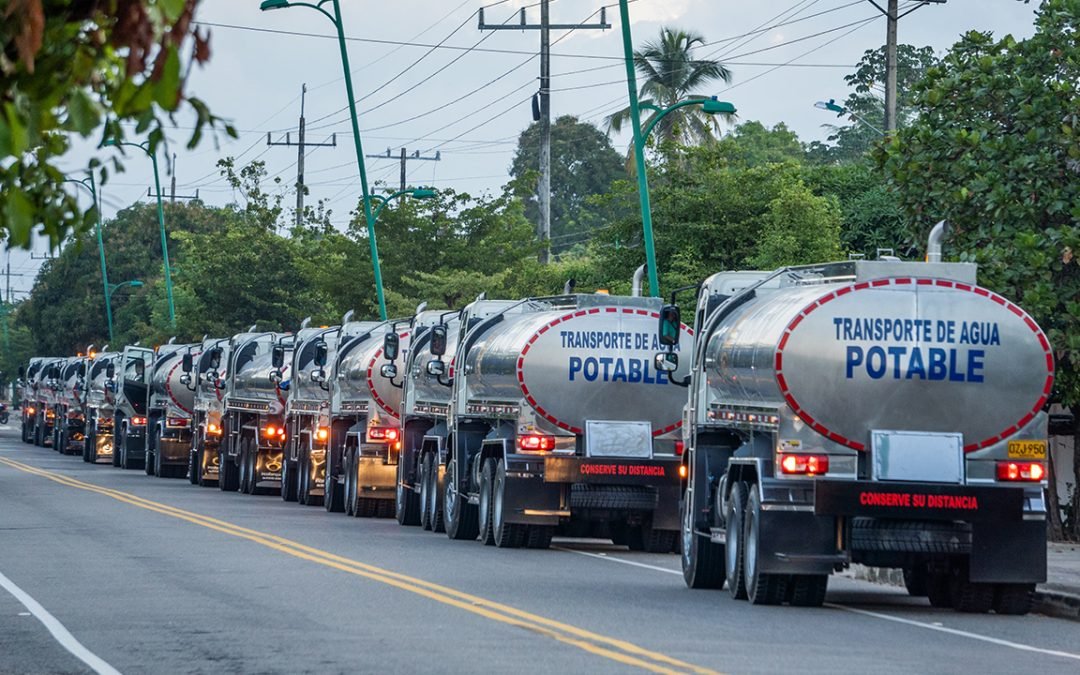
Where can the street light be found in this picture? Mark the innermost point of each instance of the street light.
(112, 288)
(832, 106)
(415, 193)
(335, 18)
(145, 147)
(101, 244)
(710, 106)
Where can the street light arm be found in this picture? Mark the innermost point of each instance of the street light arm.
(316, 7)
(664, 113)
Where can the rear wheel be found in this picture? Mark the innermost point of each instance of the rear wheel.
(462, 518)
(117, 447)
(506, 535)
(487, 479)
(969, 597)
(333, 499)
(937, 590)
(808, 590)
(406, 501)
(917, 581)
(702, 560)
(733, 555)
(435, 506)
(425, 492)
(539, 536)
(367, 507)
(193, 463)
(158, 469)
(349, 474)
(86, 444)
(761, 588)
(291, 479)
(228, 472)
(1014, 599)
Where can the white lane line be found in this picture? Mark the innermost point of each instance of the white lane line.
(955, 631)
(618, 560)
(876, 615)
(61, 634)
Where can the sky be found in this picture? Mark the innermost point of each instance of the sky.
(427, 79)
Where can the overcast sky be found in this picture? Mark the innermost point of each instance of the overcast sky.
(468, 99)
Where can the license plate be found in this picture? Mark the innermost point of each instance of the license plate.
(1027, 449)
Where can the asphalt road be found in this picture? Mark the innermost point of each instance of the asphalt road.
(158, 576)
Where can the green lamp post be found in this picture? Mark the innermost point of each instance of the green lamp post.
(145, 147)
(415, 193)
(335, 18)
(709, 105)
(89, 184)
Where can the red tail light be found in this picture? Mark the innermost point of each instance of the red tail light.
(804, 465)
(387, 434)
(680, 447)
(213, 429)
(272, 431)
(322, 434)
(138, 421)
(29, 410)
(176, 421)
(536, 443)
(1025, 472)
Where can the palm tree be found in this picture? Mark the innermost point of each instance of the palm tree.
(671, 75)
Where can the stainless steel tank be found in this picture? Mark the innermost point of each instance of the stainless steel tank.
(358, 384)
(166, 389)
(250, 386)
(904, 347)
(592, 362)
(70, 390)
(303, 389)
(97, 395)
(425, 389)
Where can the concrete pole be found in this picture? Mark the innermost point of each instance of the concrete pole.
(544, 187)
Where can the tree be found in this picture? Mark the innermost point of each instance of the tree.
(994, 151)
(672, 75)
(71, 67)
(583, 163)
(798, 227)
(866, 108)
(753, 144)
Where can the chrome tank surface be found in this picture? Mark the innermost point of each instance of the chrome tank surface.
(424, 389)
(71, 389)
(590, 361)
(166, 389)
(97, 395)
(250, 366)
(302, 388)
(889, 350)
(358, 385)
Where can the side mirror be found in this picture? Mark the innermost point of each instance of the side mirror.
(670, 324)
(391, 346)
(320, 354)
(389, 371)
(438, 340)
(277, 356)
(666, 362)
(110, 370)
(186, 363)
(436, 368)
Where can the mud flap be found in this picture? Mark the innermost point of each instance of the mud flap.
(1008, 552)
(797, 542)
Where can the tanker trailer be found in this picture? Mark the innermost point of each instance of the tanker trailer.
(69, 430)
(100, 407)
(877, 412)
(365, 428)
(252, 448)
(43, 386)
(208, 376)
(28, 379)
(171, 404)
(560, 424)
(129, 382)
(426, 408)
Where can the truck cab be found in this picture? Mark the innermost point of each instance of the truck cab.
(130, 384)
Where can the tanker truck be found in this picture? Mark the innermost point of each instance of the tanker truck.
(100, 408)
(70, 415)
(207, 373)
(43, 386)
(129, 382)
(252, 448)
(170, 406)
(559, 424)
(307, 415)
(885, 413)
(365, 428)
(425, 410)
(29, 376)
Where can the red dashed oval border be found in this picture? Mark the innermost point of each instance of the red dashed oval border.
(168, 387)
(371, 382)
(909, 281)
(573, 315)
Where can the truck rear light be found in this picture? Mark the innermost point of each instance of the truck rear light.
(30, 410)
(213, 429)
(680, 447)
(138, 421)
(322, 434)
(176, 421)
(803, 465)
(387, 434)
(536, 443)
(683, 473)
(49, 414)
(272, 431)
(1027, 472)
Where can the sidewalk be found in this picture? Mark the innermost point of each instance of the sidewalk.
(1058, 597)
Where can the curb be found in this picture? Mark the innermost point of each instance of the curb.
(1048, 602)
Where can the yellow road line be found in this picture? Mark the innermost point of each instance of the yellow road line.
(617, 650)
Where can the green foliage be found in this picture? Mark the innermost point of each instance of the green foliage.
(994, 151)
(753, 144)
(583, 163)
(69, 68)
(798, 227)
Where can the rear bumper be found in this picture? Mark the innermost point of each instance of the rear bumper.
(174, 451)
(376, 479)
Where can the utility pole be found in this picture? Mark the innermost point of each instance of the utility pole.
(301, 144)
(404, 157)
(545, 27)
(892, 17)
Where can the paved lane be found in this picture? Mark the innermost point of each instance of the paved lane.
(160, 576)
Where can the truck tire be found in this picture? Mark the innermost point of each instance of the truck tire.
(970, 597)
(702, 561)
(761, 588)
(506, 535)
(406, 501)
(487, 481)
(291, 479)
(116, 447)
(129, 461)
(808, 590)
(910, 536)
(158, 469)
(1014, 599)
(87, 439)
(333, 495)
(38, 434)
(657, 541)
(937, 591)
(435, 505)
(462, 518)
(367, 507)
(193, 463)
(349, 474)
(425, 492)
(539, 536)
(613, 497)
(228, 472)
(917, 581)
(733, 550)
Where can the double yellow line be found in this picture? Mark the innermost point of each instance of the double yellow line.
(614, 649)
